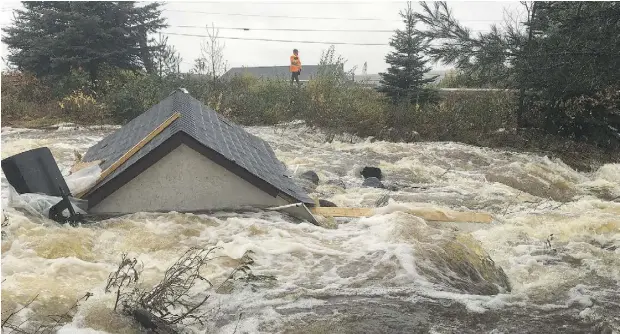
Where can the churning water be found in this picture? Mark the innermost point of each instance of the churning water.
(550, 263)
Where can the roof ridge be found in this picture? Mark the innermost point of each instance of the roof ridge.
(206, 126)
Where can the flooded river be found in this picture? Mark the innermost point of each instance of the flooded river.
(549, 263)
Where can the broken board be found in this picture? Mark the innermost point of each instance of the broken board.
(298, 210)
(81, 165)
(427, 214)
(133, 151)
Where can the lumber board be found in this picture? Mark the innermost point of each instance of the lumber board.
(427, 214)
(133, 150)
(342, 212)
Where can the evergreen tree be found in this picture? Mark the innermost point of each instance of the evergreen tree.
(52, 38)
(563, 60)
(166, 59)
(404, 80)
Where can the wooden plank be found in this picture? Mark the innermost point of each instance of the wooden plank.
(452, 216)
(82, 165)
(342, 212)
(427, 214)
(133, 150)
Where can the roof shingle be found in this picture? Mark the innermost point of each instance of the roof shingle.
(205, 126)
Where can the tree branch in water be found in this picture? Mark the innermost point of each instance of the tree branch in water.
(171, 301)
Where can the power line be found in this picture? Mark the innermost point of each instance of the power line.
(284, 16)
(287, 29)
(278, 40)
(297, 29)
(538, 54)
(293, 3)
(295, 17)
(308, 17)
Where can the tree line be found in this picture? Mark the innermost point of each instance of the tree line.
(562, 58)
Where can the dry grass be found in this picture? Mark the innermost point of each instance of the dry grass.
(470, 117)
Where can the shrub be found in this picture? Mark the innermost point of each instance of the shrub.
(75, 80)
(595, 119)
(132, 95)
(465, 115)
(254, 101)
(82, 108)
(27, 99)
(337, 104)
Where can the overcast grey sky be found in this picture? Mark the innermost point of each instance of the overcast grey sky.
(477, 15)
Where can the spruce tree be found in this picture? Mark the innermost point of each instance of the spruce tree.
(50, 38)
(404, 80)
(563, 60)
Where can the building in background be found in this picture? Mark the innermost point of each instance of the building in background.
(311, 71)
(273, 72)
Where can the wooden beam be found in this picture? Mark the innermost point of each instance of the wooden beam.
(133, 151)
(342, 212)
(427, 214)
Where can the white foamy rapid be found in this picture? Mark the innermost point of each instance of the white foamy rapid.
(392, 272)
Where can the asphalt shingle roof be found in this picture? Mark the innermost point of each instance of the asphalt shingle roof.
(207, 127)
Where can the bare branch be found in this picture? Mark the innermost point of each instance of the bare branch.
(6, 320)
(238, 321)
(124, 278)
(211, 58)
(67, 317)
(171, 301)
(57, 320)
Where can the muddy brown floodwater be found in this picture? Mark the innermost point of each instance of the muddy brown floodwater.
(390, 273)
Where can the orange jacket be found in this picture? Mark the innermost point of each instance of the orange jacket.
(295, 63)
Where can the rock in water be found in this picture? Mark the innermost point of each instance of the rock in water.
(326, 203)
(310, 176)
(152, 323)
(145, 318)
(337, 183)
(473, 270)
(372, 172)
(373, 182)
(452, 260)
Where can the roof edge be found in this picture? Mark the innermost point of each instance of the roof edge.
(135, 169)
(181, 137)
(229, 165)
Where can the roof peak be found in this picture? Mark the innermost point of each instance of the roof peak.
(180, 89)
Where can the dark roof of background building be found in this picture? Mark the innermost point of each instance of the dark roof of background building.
(273, 72)
(201, 128)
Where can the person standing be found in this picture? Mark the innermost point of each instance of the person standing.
(295, 67)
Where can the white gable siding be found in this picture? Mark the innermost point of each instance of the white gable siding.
(184, 180)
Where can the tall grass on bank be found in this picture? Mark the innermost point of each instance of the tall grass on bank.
(328, 102)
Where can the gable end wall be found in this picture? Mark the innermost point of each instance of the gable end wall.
(185, 180)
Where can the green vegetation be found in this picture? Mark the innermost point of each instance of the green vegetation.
(404, 80)
(330, 102)
(51, 39)
(563, 54)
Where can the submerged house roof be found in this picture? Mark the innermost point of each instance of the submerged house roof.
(204, 131)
